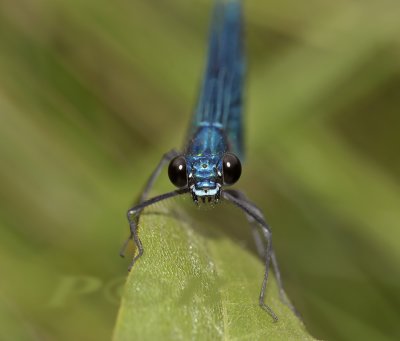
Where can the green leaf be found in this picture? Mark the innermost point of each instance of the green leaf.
(195, 283)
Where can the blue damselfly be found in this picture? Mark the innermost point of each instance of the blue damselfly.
(210, 160)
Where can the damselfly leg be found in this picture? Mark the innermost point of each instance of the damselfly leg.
(166, 158)
(250, 210)
(262, 247)
(133, 213)
(134, 218)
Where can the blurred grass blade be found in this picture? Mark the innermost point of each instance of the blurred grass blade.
(197, 284)
(13, 323)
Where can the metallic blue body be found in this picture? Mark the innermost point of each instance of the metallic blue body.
(216, 127)
(215, 143)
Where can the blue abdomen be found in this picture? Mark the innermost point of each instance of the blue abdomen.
(220, 104)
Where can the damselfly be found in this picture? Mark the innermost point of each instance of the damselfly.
(211, 159)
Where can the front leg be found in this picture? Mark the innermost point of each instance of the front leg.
(134, 218)
(253, 212)
(261, 247)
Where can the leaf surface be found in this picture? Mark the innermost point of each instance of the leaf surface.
(195, 283)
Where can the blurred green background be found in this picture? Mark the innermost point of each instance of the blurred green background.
(93, 92)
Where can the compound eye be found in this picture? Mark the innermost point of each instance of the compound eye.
(231, 168)
(177, 171)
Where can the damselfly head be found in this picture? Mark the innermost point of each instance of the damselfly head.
(205, 175)
(204, 178)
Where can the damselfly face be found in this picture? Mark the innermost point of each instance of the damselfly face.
(205, 175)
